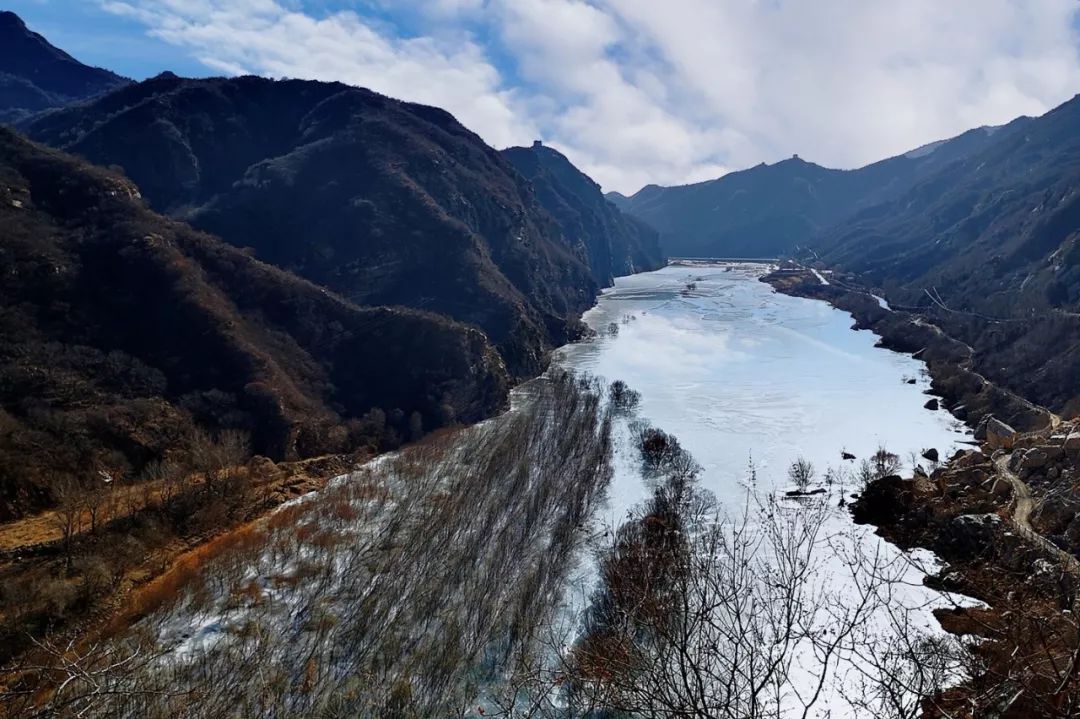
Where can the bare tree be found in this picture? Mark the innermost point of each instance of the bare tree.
(885, 463)
(67, 517)
(801, 474)
(212, 454)
(69, 680)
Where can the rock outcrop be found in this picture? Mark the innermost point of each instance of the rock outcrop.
(999, 435)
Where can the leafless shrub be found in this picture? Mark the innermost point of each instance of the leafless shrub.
(422, 574)
(623, 399)
(801, 474)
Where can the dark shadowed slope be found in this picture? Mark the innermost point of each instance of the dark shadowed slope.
(995, 237)
(769, 210)
(121, 332)
(35, 76)
(615, 243)
(383, 201)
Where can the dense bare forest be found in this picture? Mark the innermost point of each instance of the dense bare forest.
(398, 591)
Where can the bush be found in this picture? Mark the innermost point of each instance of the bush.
(801, 474)
(623, 399)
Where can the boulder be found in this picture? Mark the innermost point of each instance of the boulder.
(999, 435)
(931, 455)
(971, 535)
(998, 487)
(1054, 452)
(968, 458)
(1034, 458)
(932, 404)
(1072, 442)
(1016, 460)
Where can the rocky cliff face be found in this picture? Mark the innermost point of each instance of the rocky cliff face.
(385, 202)
(35, 76)
(614, 243)
(125, 332)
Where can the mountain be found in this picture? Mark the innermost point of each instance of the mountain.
(124, 333)
(619, 200)
(614, 243)
(35, 76)
(995, 238)
(382, 201)
(769, 210)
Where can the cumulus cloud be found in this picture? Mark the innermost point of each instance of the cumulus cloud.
(267, 38)
(639, 91)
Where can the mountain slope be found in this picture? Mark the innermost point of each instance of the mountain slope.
(615, 243)
(35, 76)
(383, 201)
(769, 210)
(995, 238)
(124, 332)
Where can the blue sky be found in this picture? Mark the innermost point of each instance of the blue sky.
(100, 38)
(633, 91)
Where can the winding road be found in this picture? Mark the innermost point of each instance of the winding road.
(1023, 506)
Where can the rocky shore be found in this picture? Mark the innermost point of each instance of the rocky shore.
(965, 392)
(1004, 519)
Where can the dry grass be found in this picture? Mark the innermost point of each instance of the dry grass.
(184, 573)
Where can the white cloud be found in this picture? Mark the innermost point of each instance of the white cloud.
(264, 37)
(638, 91)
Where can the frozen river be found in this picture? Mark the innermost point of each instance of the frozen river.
(734, 369)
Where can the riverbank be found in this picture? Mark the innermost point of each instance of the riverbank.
(1003, 518)
(966, 393)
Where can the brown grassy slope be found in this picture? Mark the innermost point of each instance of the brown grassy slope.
(121, 332)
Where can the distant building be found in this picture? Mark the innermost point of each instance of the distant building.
(538, 143)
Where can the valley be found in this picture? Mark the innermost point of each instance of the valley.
(313, 403)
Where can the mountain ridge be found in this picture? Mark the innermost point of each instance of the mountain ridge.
(614, 242)
(383, 201)
(770, 209)
(35, 75)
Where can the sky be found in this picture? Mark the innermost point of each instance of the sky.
(632, 91)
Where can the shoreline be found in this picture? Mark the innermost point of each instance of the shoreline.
(973, 513)
(966, 394)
